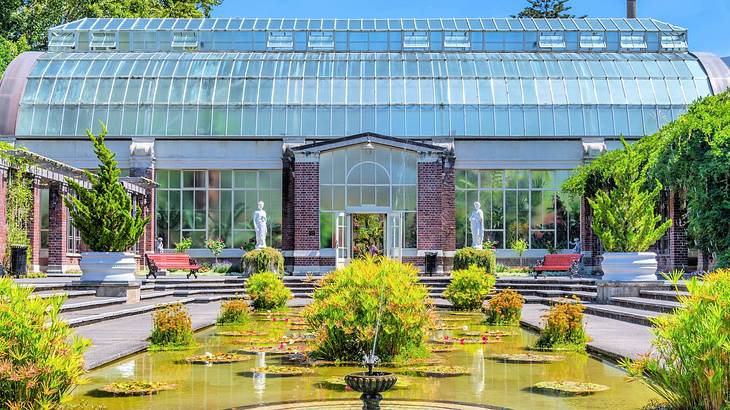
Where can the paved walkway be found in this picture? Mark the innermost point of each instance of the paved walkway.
(114, 339)
(612, 339)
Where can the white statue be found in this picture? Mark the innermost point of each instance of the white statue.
(477, 226)
(259, 225)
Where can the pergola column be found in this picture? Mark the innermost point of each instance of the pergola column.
(34, 227)
(57, 227)
(436, 209)
(588, 239)
(142, 159)
(678, 247)
(305, 215)
(3, 210)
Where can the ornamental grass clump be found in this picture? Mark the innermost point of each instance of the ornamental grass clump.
(234, 311)
(41, 359)
(345, 309)
(267, 291)
(469, 288)
(563, 327)
(262, 260)
(486, 259)
(690, 365)
(172, 328)
(504, 308)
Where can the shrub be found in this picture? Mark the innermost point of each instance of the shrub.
(262, 260)
(504, 308)
(171, 328)
(345, 310)
(464, 258)
(690, 364)
(234, 311)
(563, 327)
(469, 288)
(267, 291)
(183, 245)
(104, 215)
(41, 360)
(221, 267)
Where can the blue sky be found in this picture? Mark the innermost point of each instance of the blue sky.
(707, 20)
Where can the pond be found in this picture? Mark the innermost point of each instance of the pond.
(490, 382)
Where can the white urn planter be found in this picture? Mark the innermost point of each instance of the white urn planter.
(108, 267)
(629, 266)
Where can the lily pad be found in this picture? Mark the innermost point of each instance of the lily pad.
(239, 333)
(438, 371)
(442, 349)
(569, 388)
(217, 358)
(278, 371)
(275, 350)
(136, 388)
(525, 358)
(466, 341)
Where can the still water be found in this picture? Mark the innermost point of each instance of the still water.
(220, 386)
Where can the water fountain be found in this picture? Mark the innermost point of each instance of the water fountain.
(371, 384)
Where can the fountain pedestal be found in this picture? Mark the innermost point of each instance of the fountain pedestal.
(371, 384)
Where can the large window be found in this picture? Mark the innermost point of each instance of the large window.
(358, 179)
(217, 204)
(518, 204)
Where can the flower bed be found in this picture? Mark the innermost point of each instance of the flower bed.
(136, 388)
(217, 358)
(569, 388)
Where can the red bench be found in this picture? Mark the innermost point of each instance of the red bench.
(159, 261)
(559, 262)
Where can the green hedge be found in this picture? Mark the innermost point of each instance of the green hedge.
(469, 288)
(464, 258)
(267, 291)
(262, 260)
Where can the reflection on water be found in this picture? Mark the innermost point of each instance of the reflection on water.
(500, 384)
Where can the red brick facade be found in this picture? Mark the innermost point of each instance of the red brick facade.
(57, 227)
(588, 240)
(678, 246)
(3, 211)
(436, 211)
(34, 227)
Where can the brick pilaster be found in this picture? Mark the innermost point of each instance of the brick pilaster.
(448, 214)
(148, 206)
(436, 210)
(3, 211)
(588, 239)
(678, 247)
(57, 227)
(287, 209)
(34, 227)
(306, 206)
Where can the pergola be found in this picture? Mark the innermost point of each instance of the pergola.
(47, 173)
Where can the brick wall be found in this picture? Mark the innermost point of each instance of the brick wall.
(57, 227)
(678, 246)
(34, 227)
(306, 206)
(287, 208)
(436, 211)
(589, 241)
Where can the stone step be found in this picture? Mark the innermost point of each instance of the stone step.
(70, 294)
(670, 295)
(90, 302)
(584, 296)
(655, 305)
(637, 316)
(547, 286)
(144, 295)
(86, 317)
(550, 280)
(191, 286)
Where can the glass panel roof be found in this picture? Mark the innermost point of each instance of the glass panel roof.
(414, 94)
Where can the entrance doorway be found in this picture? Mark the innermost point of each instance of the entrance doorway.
(361, 233)
(368, 235)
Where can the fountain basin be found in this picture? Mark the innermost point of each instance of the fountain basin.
(374, 383)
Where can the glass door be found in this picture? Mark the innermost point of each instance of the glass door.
(341, 242)
(394, 238)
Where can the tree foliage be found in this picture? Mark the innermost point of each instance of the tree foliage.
(624, 218)
(33, 18)
(104, 214)
(694, 158)
(10, 49)
(546, 9)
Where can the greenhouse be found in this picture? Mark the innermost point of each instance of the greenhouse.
(337, 124)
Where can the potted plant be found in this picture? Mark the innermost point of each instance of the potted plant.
(625, 220)
(105, 219)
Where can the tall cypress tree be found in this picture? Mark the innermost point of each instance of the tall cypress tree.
(103, 214)
(550, 9)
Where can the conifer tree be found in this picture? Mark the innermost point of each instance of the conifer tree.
(103, 214)
(624, 217)
(550, 9)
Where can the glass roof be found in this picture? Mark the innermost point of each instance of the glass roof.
(407, 24)
(415, 94)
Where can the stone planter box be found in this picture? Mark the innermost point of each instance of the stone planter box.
(629, 266)
(108, 267)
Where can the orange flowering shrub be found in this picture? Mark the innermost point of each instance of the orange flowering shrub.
(234, 311)
(564, 327)
(505, 308)
(171, 328)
